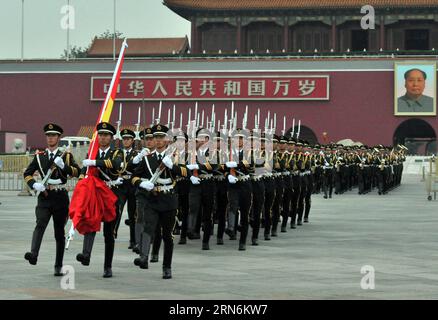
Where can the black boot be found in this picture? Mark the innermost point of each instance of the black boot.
(255, 242)
(109, 254)
(107, 273)
(37, 238)
(242, 247)
(205, 246)
(58, 272)
(220, 241)
(31, 257)
(142, 262)
(182, 240)
(167, 273)
(84, 257)
(60, 249)
(154, 258)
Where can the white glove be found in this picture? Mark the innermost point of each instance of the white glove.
(321, 153)
(89, 163)
(39, 187)
(137, 159)
(147, 185)
(231, 164)
(119, 181)
(193, 167)
(168, 162)
(195, 180)
(232, 179)
(59, 162)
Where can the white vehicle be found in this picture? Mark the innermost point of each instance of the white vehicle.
(74, 141)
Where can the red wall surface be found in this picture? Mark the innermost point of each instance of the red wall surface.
(361, 106)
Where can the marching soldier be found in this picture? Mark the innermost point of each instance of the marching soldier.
(285, 151)
(258, 185)
(220, 158)
(202, 190)
(269, 181)
(328, 172)
(108, 162)
(279, 185)
(183, 186)
(157, 200)
(239, 188)
(54, 167)
(126, 190)
(148, 144)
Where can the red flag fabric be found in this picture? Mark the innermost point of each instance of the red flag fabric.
(93, 201)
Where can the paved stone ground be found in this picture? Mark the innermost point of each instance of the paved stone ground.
(396, 234)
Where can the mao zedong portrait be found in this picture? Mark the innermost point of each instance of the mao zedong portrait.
(414, 100)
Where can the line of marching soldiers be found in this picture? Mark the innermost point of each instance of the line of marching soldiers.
(226, 180)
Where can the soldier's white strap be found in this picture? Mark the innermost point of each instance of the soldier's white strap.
(148, 165)
(41, 168)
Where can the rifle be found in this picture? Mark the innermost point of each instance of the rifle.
(70, 236)
(118, 137)
(137, 128)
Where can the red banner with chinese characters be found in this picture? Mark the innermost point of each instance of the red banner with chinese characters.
(198, 88)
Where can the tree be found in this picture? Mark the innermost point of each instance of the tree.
(81, 52)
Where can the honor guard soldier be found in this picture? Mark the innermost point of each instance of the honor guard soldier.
(202, 189)
(54, 167)
(220, 158)
(239, 188)
(148, 144)
(327, 159)
(296, 181)
(257, 170)
(279, 167)
(127, 190)
(182, 185)
(269, 181)
(285, 151)
(109, 162)
(157, 200)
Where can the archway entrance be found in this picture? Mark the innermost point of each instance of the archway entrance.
(417, 135)
(306, 134)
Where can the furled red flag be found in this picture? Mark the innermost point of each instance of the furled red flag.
(93, 201)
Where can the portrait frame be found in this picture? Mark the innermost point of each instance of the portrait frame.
(430, 91)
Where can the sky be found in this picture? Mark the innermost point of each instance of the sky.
(44, 36)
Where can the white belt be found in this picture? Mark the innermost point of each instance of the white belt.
(164, 189)
(127, 177)
(256, 178)
(243, 178)
(56, 187)
(219, 178)
(268, 175)
(54, 181)
(164, 181)
(277, 174)
(286, 173)
(206, 176)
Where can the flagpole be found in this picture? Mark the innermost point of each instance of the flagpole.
(114, 34)
(68, 31)
(22, 30)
